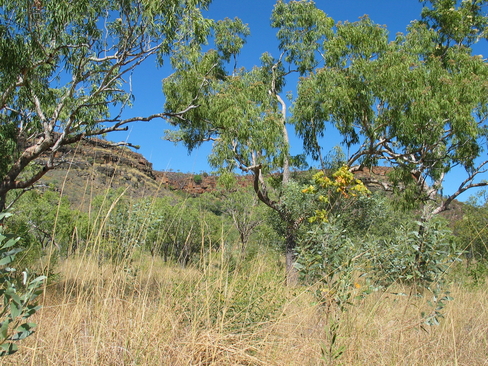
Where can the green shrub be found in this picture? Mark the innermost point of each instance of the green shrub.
(471, 231)
(17, 295)
(328, 258)
(417, 255)
(197, 179)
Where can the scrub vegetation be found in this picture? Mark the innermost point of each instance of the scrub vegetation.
(170, 281)
(325, 265)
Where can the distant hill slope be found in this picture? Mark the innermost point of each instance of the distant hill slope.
(94, 165)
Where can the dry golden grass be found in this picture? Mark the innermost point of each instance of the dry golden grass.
(167, 315)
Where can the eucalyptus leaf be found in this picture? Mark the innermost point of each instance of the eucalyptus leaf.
(23, 331)
(8, 349)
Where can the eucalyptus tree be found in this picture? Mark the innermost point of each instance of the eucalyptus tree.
(242, 111)
(418, 102)
(242, 206)
(66, 68)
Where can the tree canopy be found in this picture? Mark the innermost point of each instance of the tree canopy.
(242, 111)
(65, 72)
(418, 103)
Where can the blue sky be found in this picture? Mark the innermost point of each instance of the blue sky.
(394, 14)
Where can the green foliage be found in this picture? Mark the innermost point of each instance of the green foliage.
(472, 228)
(177, 229)
(457, 22)
(48, 216)
(478, 272)
(197, 179)
(344, 256)
(377, 216)
(116, 229)
(230, 37)
(294, 208)
(331, 353)
(334, 160)
(8, 146)
(64, 68)
(418, 102)
(17, 292)
(192, 231)
(227, 180)
(419, 258)
(328, 258)
(49, 228)
(413, 256)
(245, 211)
(369, 214)
(302, 28)
(241, 111)
(233, 110)
(331, 262)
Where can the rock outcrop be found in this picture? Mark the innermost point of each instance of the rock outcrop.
(90, 167)
(93, 165)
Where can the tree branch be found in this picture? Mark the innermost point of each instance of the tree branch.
(463, 187)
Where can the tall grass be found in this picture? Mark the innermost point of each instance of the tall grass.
(226, 310)
(168, 315)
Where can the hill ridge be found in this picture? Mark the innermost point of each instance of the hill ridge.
(93, 165)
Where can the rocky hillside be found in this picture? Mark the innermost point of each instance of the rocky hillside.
(96, 165)
(90, 167)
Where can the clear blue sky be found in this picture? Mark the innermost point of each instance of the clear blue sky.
(395, 14)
